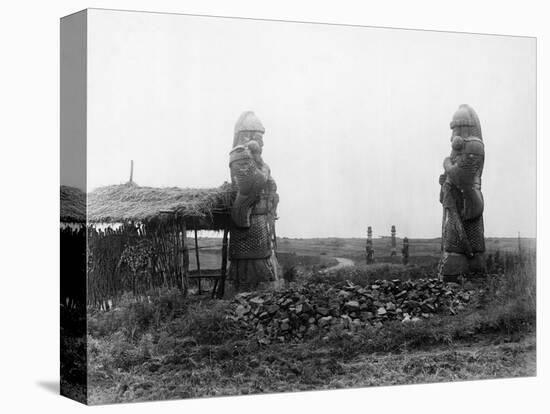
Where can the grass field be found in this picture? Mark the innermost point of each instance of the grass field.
(421, 251)
(174, 347)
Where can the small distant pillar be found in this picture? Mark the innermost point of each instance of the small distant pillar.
(393, 243)
(520, 253)
(370, 250)
(405, 251)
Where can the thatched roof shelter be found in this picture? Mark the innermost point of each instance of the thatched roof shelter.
(166, 213)
(203, 209)
(72, 205)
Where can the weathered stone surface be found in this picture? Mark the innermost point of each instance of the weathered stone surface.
(253, 211)
(293, 313)
(352, 304)
(369, 248)
(463, 235)
(324, 321)
(256, 301)
(273, 308)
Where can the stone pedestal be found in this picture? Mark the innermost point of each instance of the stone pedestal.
(456, 265)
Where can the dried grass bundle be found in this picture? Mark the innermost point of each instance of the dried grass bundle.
(124, 202)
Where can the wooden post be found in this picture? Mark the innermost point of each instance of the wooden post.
(131, 171)
(197, 257)
(185, 257)
(221, 287)
(520, 258)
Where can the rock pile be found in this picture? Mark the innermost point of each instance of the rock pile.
(294, 313)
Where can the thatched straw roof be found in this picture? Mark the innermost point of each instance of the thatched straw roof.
(72, 205)
(130, 202)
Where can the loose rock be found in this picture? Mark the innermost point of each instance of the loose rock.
(294, 313)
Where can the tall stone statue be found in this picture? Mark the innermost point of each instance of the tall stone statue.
(405, 251)
(393, 242)
(463, 242)
(252, 240)
(370, 249)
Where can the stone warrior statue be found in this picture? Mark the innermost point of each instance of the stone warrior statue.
(370, 250)
(252, 241)
(405, 250)
(462, 241)
(393, 242)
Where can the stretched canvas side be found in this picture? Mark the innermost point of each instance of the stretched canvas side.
(73, 207)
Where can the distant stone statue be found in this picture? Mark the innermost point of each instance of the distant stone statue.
(405, 251)
(370, 250)
(463, 242)
(393, 242)
(252, 240)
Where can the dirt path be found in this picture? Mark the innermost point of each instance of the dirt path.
(342, 262)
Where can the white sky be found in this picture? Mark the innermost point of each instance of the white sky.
(357, 119)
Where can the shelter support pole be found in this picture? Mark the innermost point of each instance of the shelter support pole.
(184, 258)
(221, 287)
(197, 257)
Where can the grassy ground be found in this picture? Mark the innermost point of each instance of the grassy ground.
(172, 347)
(423, 252)
(240, 370)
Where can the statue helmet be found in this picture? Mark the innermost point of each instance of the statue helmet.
(248, 121)
(465, 116)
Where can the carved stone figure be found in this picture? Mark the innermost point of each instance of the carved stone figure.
(370, 250)
(405, 251)
(252, 241)
(463, 242)
(393, 242)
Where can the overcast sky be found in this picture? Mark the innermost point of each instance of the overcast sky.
(357, 119)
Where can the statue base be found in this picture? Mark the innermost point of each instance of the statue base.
(255, 274)
(453, 266)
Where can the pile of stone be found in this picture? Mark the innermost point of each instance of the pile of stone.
(294, 313)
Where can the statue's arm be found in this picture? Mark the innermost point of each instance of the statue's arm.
(452, 170)
(449, 166)
(249, 181)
